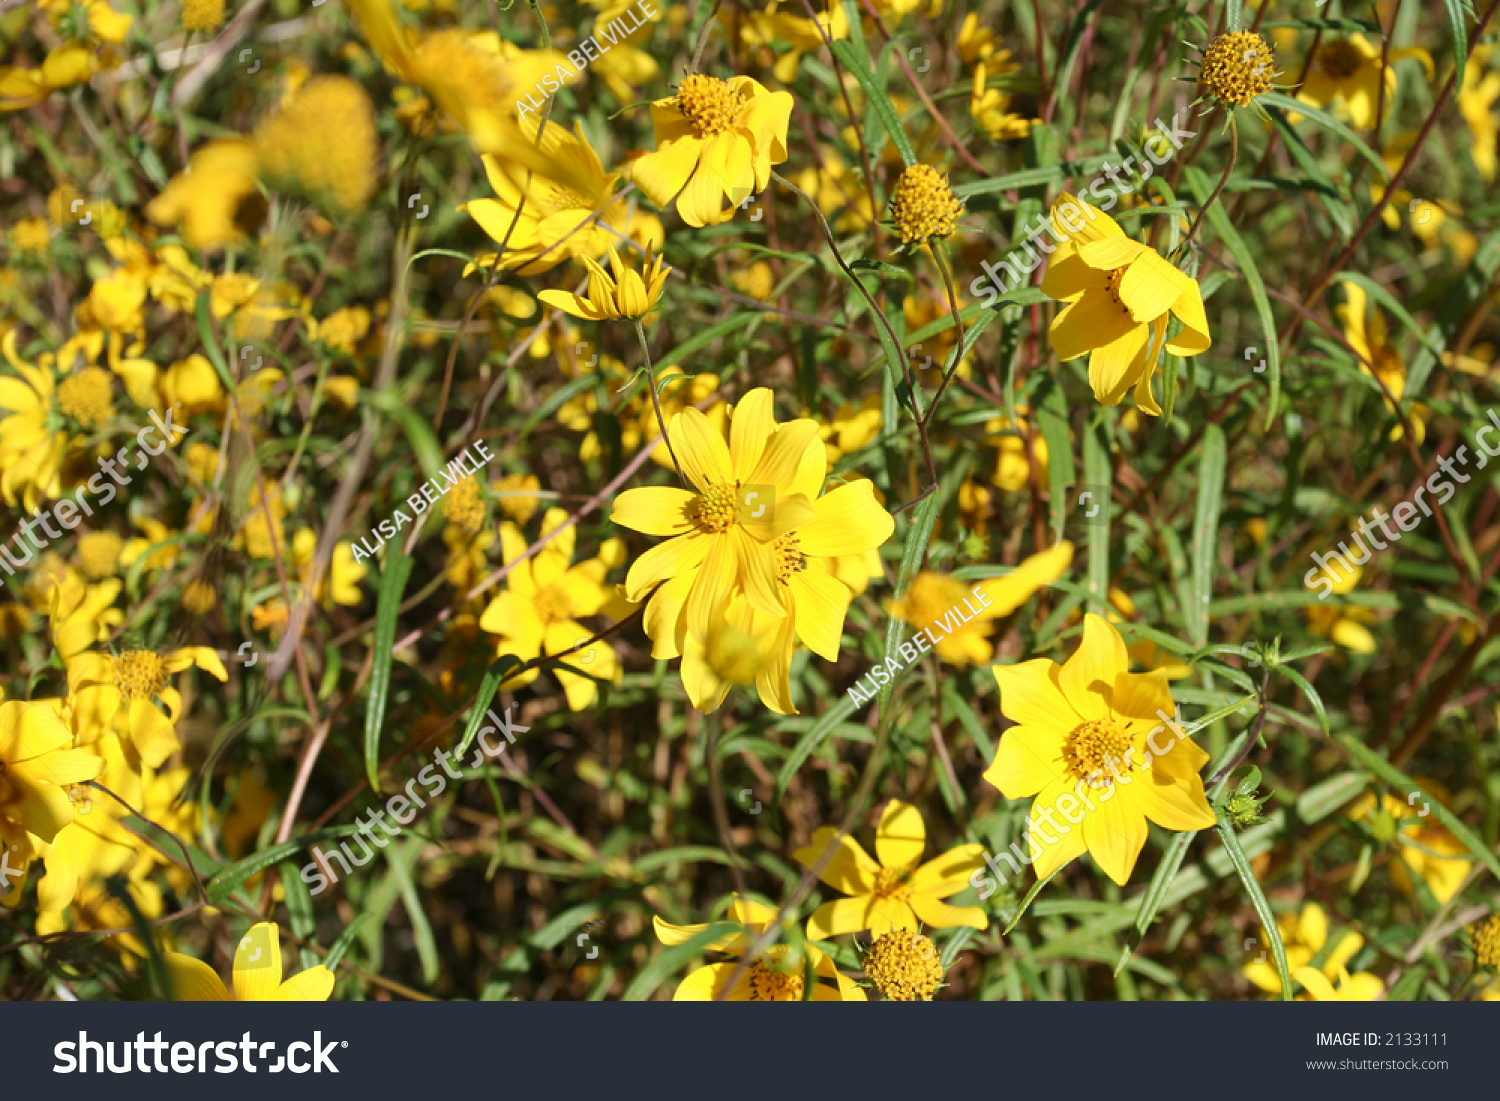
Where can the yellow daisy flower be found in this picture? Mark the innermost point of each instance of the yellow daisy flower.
(898, 891)
(38, 765)
(536, 612)
(33, 442)
(1346, 72)
(1086, 730)
(711, 526)
(1119, 296)
(120, 693)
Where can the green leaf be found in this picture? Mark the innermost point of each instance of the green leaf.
(487, 689)
(1199, 184)
(858, 64)
(1030, 895)
(1097, 472)
(423, 443)
(226, 879)
(1456, 16)
(388, 608)
(810, 741)
(1318, 115)
(299, 910)
(346, 938)
(1258, 900)
(1206, 532)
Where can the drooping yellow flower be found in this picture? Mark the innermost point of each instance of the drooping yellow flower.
(1346, 73)
(257, 974)
(897, 892)
(777, 976)
(121, 693)
(1373, 345)
(1304, 935)
(937, 603)
(716, 534)
(537, 611)
(38, 765)
(715, 140)
(627, 294)
(82, 615)
(1119, 294)
(557, 221)
(213, 198)
(1088, 746)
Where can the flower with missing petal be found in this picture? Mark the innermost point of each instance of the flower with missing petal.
(122, 693)
(1120, 295)
(1088, 745)
(898, 892)
(257, 974)
(627, 294)
(715, 140)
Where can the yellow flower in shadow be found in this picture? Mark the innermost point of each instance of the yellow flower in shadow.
(777, 976)
(897, 891)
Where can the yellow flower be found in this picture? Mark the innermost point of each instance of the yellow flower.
(99, 554)
(1374, 345)
(557, 221)
(1425, 848)
(1345, 624)
(257, 974)
(121, 694)
(62, 68)
(715, 140)
(1119, 296)
(1012, 467)
(33, 443)
(536, 612)
(1476, 102)
(519, 506)
(626, 295)
(322, 140)
(760, 29)
(937, 602)
(990, 108)
(82, 615)
(214, 197)
(202, 15)
(345, 572)
(1485, 936)
(38, 764)
(898, 892)
(905, 967)
(31, 235)
(342, 330)
(851, 428)
(1303, 936)
(1090, 727)
(777, 976)
(1237, 68)
(923, 205)
(157, 536)
(1347, 73)
(1363, 987)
